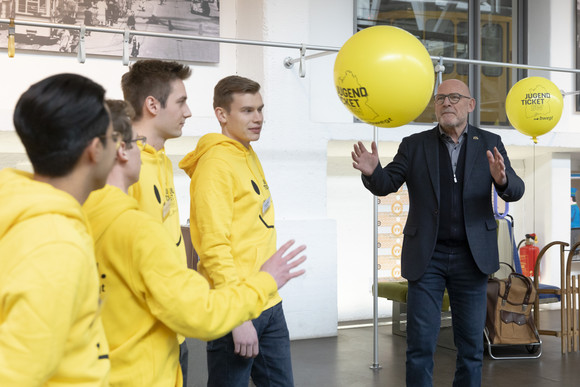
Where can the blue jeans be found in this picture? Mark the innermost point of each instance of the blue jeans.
(272, 366)
(183, 361)
(467, 287)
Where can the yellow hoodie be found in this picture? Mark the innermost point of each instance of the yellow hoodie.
(50, 329)
(149, 294)
(155, 192)
(232, 214)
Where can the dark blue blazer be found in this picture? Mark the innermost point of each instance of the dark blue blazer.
(417, 164)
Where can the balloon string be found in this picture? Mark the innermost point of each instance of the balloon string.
(534, 192)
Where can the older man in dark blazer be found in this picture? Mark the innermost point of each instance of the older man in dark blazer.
(450, 236)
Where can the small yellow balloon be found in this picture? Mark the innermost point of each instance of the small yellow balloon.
(384, 76)
(534, 106)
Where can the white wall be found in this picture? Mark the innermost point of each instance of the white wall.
(548, 182)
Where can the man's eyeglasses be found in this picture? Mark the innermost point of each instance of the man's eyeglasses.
(137, 140)
(115, 136)
(453, 98)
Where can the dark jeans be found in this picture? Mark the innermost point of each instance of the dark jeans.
(272, 366)
(467, 287)
(183, 357)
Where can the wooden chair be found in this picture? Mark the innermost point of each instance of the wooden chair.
(569, 298)
(571, 304)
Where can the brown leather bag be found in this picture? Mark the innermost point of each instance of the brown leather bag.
(509, 302)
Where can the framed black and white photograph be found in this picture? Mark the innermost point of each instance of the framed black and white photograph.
(180, 17)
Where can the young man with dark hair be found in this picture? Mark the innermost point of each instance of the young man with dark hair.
(149, 292)
(156, 91)
(50, 329)
(232, 230)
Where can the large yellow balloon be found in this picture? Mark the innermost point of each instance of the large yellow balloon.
(534, 106)
(384, 76)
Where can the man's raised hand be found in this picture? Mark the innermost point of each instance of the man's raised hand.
(279, 265)
(497, 167)
(363, 160)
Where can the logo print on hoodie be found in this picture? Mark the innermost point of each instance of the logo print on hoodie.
(157, 194)
(255, 187)
(258, 192)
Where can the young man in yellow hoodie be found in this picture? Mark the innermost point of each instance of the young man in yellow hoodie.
(156, 92)
(149, 294)
(232, 230)
(50, 329)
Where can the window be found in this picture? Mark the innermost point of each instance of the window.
(445, 28)
(440, 40)
(32, 7)
(492, 48)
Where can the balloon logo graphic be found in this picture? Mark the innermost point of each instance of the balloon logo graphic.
(384, 76)
(534, 106)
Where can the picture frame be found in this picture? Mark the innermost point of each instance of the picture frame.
(179, 17)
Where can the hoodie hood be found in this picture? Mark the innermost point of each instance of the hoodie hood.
(149, 150)
(150, 155)
(207, 142)
(23, 198)
(52, 332)
(104, 206)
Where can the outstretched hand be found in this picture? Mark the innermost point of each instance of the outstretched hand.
(497, 167)
(279, 266)
(363, 160)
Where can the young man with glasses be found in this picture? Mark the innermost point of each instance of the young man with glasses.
(149, 295)
(50, 328)
(450, 236)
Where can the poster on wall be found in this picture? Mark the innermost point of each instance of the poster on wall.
(393, 210)
(180, 17)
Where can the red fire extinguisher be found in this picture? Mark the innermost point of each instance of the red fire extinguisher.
(529, 255)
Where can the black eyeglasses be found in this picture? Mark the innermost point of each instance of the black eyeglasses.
(453, 98)
(137, 140)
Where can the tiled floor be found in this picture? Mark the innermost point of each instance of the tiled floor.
(345, 360)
